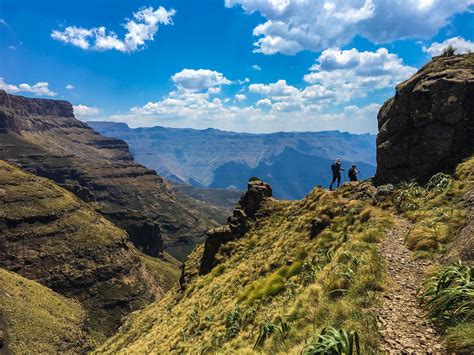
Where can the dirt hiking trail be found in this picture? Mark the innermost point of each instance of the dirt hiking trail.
(401, 322)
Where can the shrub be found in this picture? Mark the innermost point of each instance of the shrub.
(448, 296)
(254, 178)
(334, 341)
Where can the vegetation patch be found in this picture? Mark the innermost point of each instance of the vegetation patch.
(40, 319)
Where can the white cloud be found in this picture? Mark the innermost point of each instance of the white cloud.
(240, 97)
(40, 88)
(197, 80)
(460, 44)
(3, 22)
(139, 30)
(295, 25)
(351, 73)
(83, 110)
(214, 90)
(69, 86)
(256, 67)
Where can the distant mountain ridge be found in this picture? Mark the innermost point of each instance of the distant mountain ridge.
(223, 159)
(43, 137)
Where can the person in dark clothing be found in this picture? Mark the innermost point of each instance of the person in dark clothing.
(336, 173)
(353, 172)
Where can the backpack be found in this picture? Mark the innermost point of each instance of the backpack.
(334, 168)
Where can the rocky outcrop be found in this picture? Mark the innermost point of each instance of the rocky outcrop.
(247, 211)
(50, 236)
(428, 127)
(43, 137)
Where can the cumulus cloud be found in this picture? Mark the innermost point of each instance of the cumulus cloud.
(295, 25)
(69, 86)
(256, 67)
(200, 79)
(40, 88)
(240, 97)
(352, 73)
(460, 44)
(83, 110)
(139, 30)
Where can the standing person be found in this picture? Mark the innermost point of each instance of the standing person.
(353, 172)
(336, 173)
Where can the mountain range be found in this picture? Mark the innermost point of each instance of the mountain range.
(292, 162)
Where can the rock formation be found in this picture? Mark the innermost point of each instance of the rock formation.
(428, 127)
(50, 236)
(245, 212)
(43, 137)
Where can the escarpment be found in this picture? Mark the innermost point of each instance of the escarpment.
(43, 137)
(428, 127)
(50, 236)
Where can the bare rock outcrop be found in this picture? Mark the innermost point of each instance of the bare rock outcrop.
(428, 127)
(245, 213)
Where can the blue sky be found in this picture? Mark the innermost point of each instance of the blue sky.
(244, 65)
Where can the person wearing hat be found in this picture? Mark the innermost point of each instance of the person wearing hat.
(336, 173)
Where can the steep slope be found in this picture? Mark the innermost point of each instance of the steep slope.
(34, 318)
(50, 236)
(199, 157)
(428, 127)
(43, 137)
(389, 267)
(299, 267)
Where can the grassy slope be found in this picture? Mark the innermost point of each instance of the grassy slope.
(39, 320)
(53, 237)
(277, 274)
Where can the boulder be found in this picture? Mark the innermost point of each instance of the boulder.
(428, 126)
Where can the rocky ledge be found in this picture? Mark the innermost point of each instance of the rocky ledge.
(245, 212)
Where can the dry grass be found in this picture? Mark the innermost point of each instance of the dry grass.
(275, 277)
(38, 319)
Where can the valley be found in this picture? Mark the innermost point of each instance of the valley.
(292, 162)
(101, 254)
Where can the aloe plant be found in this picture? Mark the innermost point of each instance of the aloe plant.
(334, 341)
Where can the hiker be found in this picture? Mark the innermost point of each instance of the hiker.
(353, 172)
(336, 173)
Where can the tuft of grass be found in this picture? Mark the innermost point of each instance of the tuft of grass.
(449, 51)
(448, 296)
(334, 341)
(460, 339)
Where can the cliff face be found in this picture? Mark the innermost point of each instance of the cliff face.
(50, 236)
(428, 127)
(43, 137)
